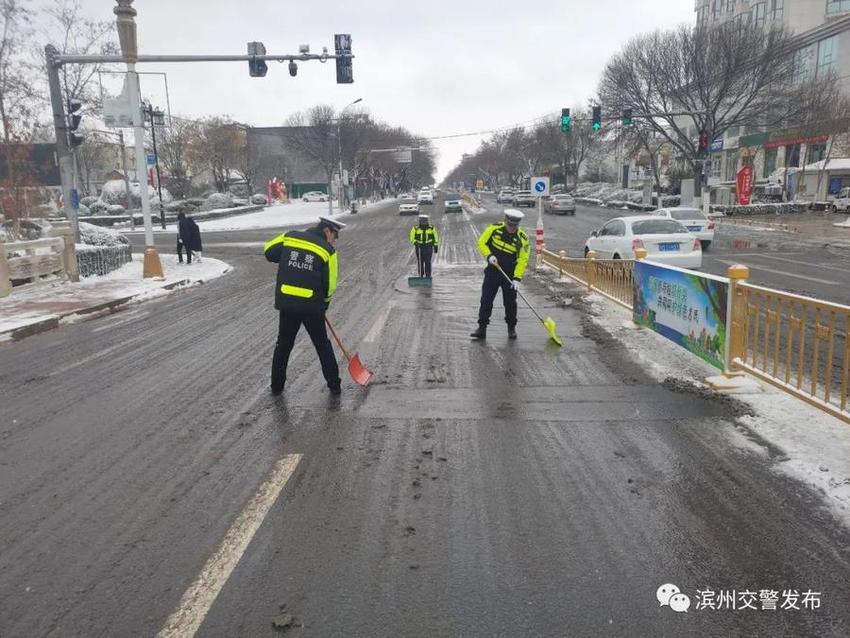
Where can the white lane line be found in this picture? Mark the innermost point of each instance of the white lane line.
(782, 272)
(380, 321)
(126, 319)
(198, 599)
(802, 263)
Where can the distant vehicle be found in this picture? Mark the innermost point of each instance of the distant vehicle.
(523, 198)
(560, 205)
(505, 196)
(426, 196)
(314, 196)
(841, 203)
(557, 189)
(408, 205)
(666, 241)
(452, 204)
(692, 219)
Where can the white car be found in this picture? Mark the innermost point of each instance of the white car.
(841, 203)
(692, 219)
(425, 197)
(560, 205)
(314, 196)
(408, 206)
(666, 241)
(505, 196)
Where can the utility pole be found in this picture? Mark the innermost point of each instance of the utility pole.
(339, 141)
(63, 147)
(124, 169)
(126, 24)
(156, 117)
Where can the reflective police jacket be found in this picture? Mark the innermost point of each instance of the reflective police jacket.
(306, 272)
(427, 236)
(511, 249)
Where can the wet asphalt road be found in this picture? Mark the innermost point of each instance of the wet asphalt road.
(777, 260)
(499, 488)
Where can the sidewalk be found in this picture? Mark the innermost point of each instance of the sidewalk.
(38, 307)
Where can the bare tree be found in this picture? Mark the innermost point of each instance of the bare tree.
(220, 144)
(722, 76)
(314, 135)
(175, 154)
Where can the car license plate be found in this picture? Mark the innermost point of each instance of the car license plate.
(694, 229)
(668, 247)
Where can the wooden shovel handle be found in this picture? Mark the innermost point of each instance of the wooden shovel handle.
(337, 339)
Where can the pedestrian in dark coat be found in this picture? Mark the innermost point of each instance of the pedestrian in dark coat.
(189, 235)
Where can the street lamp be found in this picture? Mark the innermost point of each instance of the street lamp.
(339, 142)
(126, 25)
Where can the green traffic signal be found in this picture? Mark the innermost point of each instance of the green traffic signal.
(627, 117)
(597, 118)
(566, 121)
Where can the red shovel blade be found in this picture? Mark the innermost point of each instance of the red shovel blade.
(360, 373)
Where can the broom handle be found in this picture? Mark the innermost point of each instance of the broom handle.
(505, 275)
(337, 339)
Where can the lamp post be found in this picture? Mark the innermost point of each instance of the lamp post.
(339, 141)
(126, 25)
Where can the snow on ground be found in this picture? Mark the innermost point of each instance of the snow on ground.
(58, 299)
(816, 446)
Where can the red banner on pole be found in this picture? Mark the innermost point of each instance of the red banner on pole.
(745, 184)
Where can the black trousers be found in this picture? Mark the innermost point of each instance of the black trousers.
(290, 323)
(180, 247)
(493, 280)
(424, 255)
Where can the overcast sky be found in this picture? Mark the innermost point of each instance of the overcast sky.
(436, 67)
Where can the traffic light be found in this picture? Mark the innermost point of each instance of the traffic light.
(703, 142)
(597, 118)
(344, 72)
(257, 68)
(627, 117)
(566, 121)
(75, 137)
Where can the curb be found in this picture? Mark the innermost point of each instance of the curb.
(54, 321)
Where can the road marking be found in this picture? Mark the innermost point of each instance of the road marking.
(198, 599)
(782, 272)
(379, 324)
(801, 263)
(123, 320)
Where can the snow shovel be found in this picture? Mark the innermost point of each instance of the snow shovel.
(360, 373)
(421, 280)
(548, 322)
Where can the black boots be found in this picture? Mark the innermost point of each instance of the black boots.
(481, 333)
(511, 332)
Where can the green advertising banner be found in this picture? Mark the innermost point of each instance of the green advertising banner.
(686, 307)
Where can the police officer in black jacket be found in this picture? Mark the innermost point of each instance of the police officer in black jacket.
(306, 281)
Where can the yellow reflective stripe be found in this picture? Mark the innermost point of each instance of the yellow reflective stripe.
(483, 248)
(272, 242)
(508, 248)
(333, 269)
(413, 235)
(291, 242)
(436, 237)
(296, 291)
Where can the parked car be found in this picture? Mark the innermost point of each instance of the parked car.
(523, 198)
(452, 204)
(666, 241)
(408, 206)
(692, 219)
(314, 196)
(841, 203)
(560, 205)
(426, 196)
(505, 196)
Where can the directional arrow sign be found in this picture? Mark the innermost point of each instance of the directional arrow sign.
(540, 186)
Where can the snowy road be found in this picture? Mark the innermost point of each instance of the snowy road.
(148, 482)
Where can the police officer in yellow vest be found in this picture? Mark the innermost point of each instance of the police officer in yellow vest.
(507, 245)
(426, 240)
(306, 280)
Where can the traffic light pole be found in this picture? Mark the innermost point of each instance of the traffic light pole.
(63, 148)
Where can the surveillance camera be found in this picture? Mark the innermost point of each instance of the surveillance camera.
(303, 48)
(293, 68)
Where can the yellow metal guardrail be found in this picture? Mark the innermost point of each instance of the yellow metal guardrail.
(796, 343)
(611, 278)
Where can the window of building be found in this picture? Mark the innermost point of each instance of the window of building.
(730, 6)
(733, 131)
(816, 152)
(827, 55)
(731, 166)
(837, 6)
(759, 13)
(792, 155)
(769, 161)
(777, 9)
(804, 64)
(714, 169)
